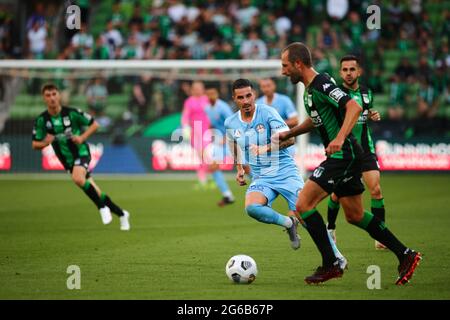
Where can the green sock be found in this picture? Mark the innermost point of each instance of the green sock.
(377, 207)
(90, 191)
(378, 230)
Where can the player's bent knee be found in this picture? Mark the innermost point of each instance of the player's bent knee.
(79, 180)
(303, 206)
(354, 218)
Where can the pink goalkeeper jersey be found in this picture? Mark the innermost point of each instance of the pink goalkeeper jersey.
(194, 116)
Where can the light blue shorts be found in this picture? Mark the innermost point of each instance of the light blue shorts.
(287, 188)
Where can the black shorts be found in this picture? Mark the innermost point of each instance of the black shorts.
(83, 162)
(343, 177)
(369, 162)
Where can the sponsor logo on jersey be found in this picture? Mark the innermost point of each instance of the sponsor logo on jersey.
(318, 172)
(260, 128)
(363, 117)
(336, 94)
(48, 124)
(345, 180)
(310, 100)
(326, 86)
(237, 133)
(66, 121)
(316, 119)
(366, 98)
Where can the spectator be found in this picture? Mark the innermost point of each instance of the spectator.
(82, 43)
(355, 30)
(253, 47)
(405, 71)
(327, 38)
(427, 100)
(97, 95)
(37, 40)
(132, 50)
(296, 34)
(112, 38)
(153, 49)
(136, 19)
(141, 98)
(117, 17)
(245, 13)
(101, 50)
(37, 17)
(321, 62)
(397, 97)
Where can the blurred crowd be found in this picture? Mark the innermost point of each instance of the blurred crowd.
(258, 29)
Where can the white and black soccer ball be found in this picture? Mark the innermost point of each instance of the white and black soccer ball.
(241, 269)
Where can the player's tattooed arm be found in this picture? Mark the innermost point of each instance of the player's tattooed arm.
(272, 146)
(305, 127)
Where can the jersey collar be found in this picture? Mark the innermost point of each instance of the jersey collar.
(253, 118)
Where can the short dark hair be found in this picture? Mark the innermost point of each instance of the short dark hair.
(349, 57)
(299, 51)
(241, 83)
(49, 87)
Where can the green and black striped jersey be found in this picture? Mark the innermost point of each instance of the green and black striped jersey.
(325, 104)
(361, 130)
(63, 126)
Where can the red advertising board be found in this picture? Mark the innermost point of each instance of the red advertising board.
(392, 156)
(181, 156)
(51, 162)
(5, 156)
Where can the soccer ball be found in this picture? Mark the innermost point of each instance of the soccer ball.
(241, 269)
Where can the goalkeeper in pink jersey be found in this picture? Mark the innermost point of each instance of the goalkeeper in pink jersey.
(195, 123)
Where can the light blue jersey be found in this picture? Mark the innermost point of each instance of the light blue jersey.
(285, 107)
(282, 103)
(217, 114)
(272, 173)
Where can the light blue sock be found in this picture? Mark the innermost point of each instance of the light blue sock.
(266, 214)
(220, 181)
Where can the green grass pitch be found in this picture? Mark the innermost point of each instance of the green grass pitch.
(180, 241)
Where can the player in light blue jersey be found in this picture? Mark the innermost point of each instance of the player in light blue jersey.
(282, 103)
(273, 170)
(217, 111)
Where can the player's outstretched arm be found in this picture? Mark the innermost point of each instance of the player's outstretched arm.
(86, 134)
(305, 127)
(353, 110)
(274, 145)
